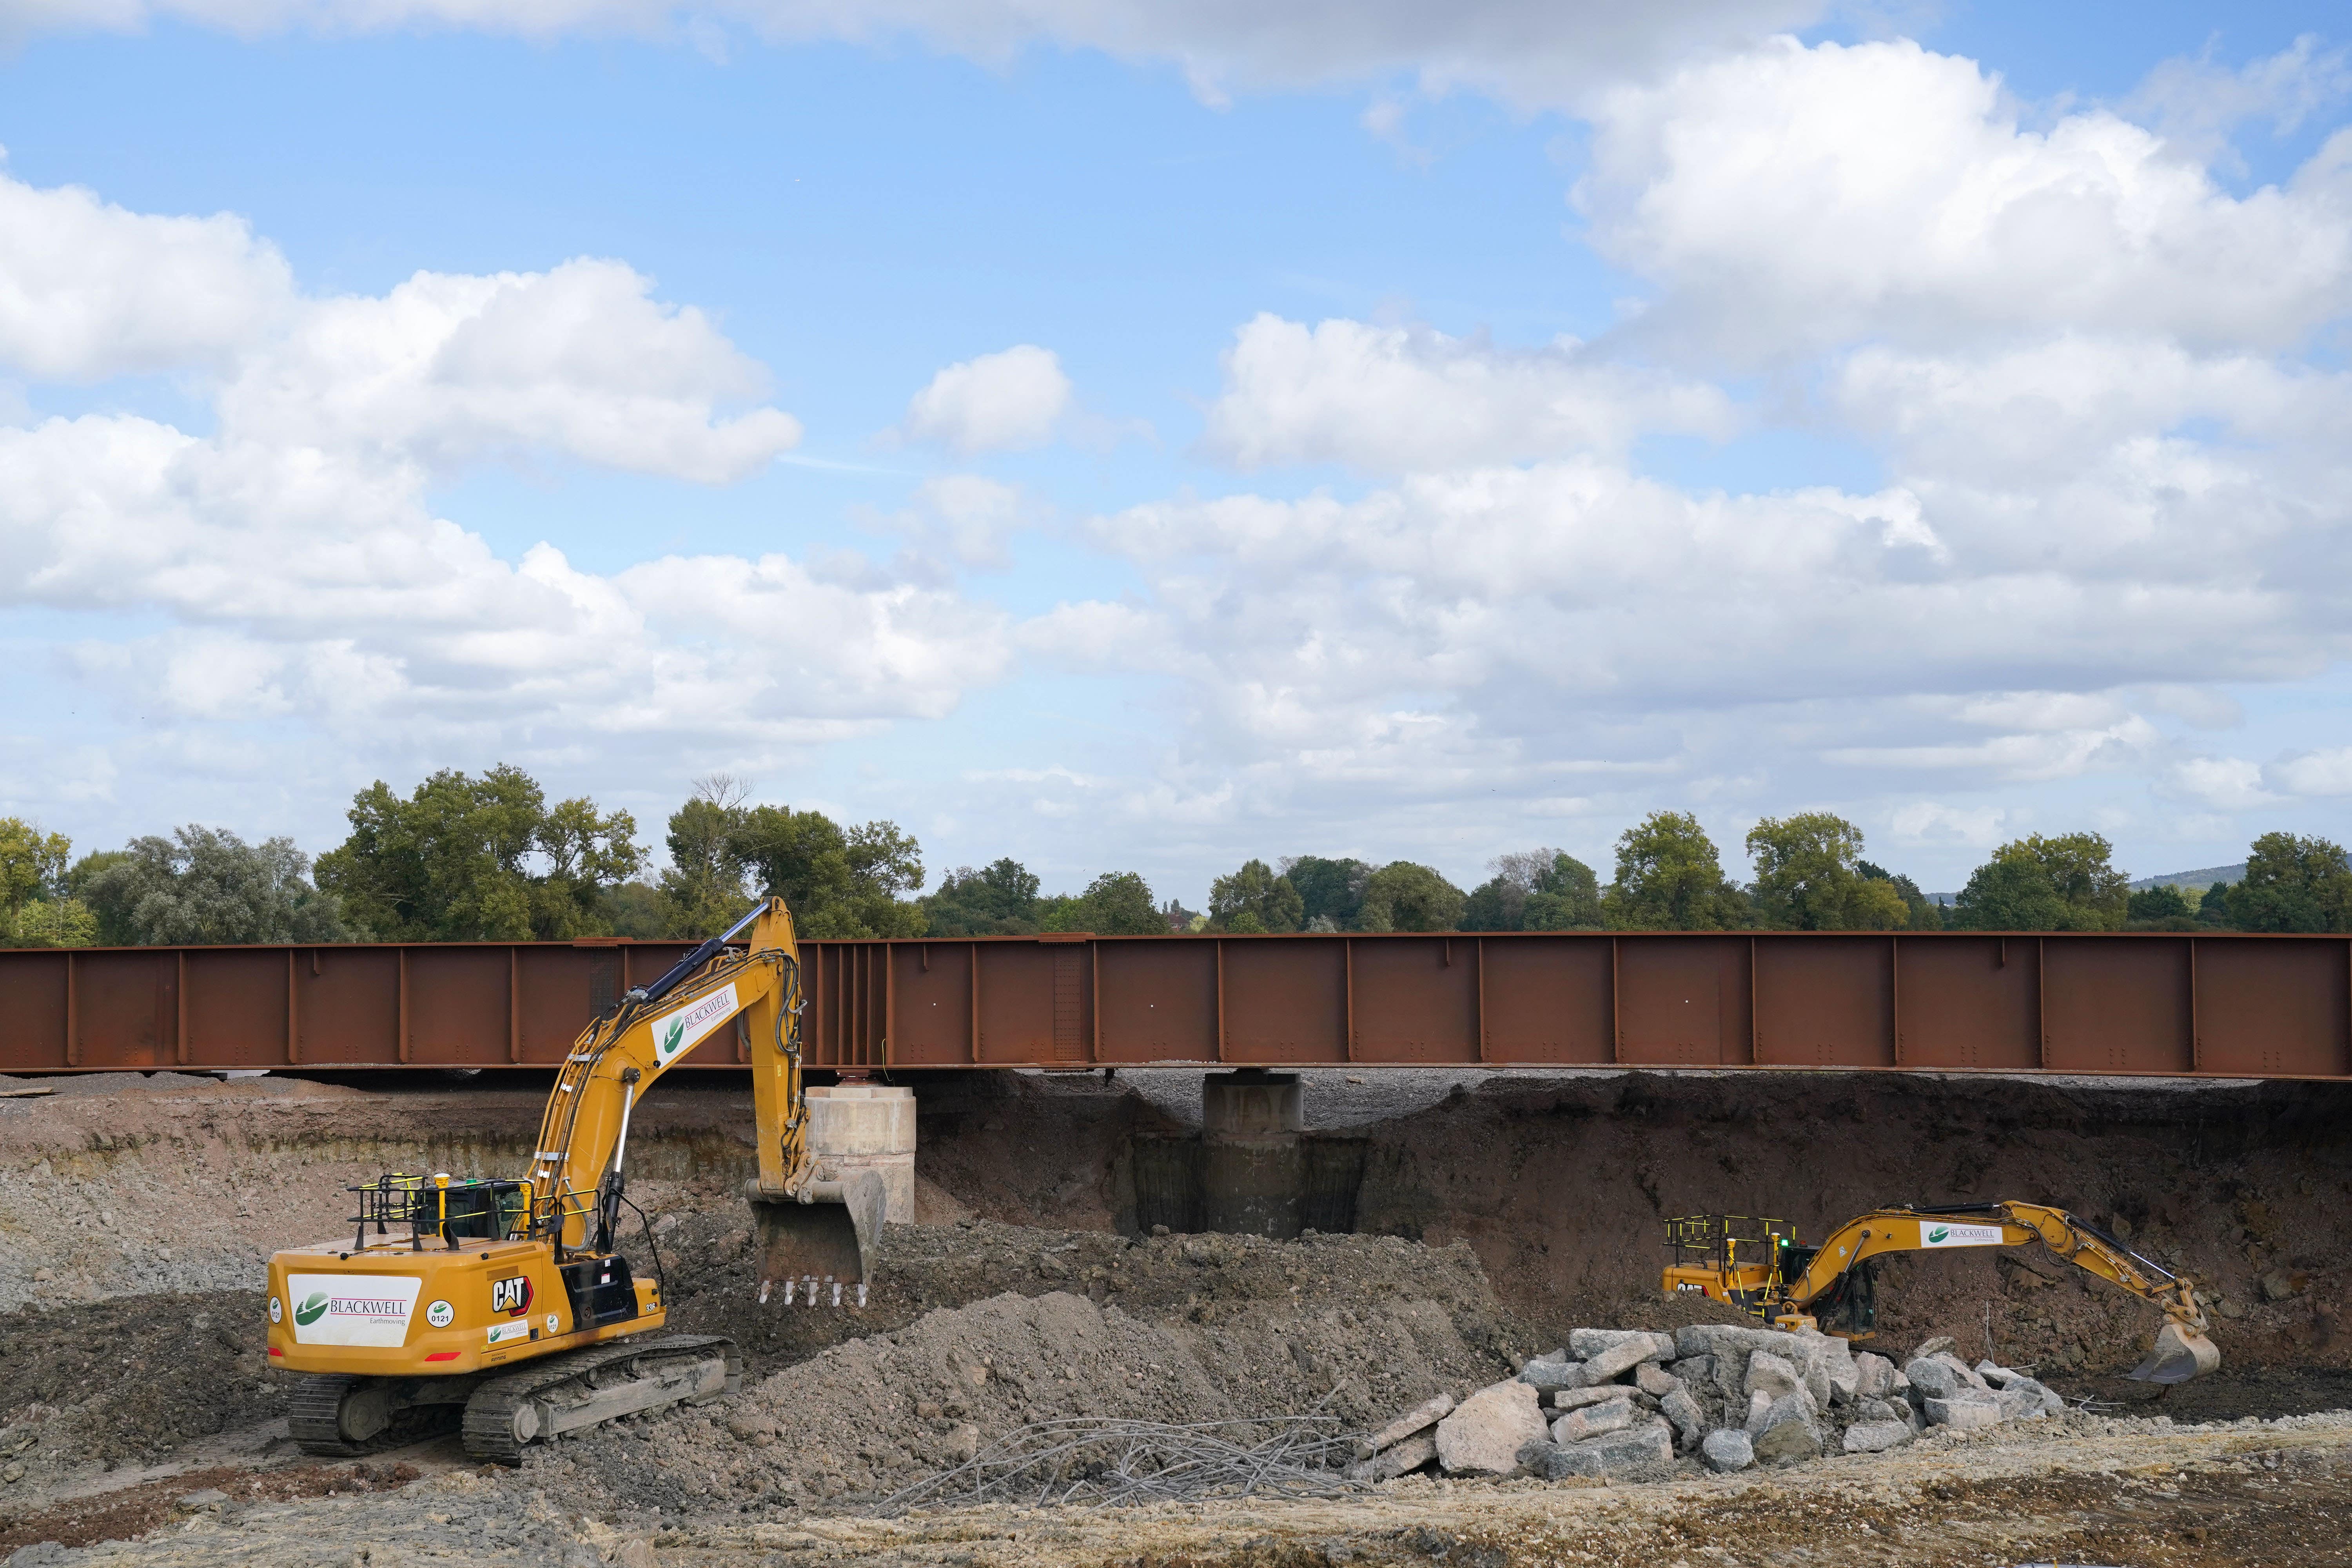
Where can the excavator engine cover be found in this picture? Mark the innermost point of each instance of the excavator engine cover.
(2180, 1354)
(826, 1239)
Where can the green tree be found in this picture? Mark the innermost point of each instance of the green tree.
(1403, 896)
(837, 882)
(207, 885)
(1535, 890)
(1116, 903)
(2061, 883)
(998, 899)
(2213, 908)
(1669, 877)
(471, 859)
(2293, 884)
(702, 891)
(1921, 913)
(38, 906)
(1257, 895)
(2160, 908)
(637, 909)
(1330, 892)
(1809, 877)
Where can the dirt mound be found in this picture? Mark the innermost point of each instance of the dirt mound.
(131, 1380)
(1191, 1327)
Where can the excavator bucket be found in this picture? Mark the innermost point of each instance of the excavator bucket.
(2180, 1354)
(813, 1246)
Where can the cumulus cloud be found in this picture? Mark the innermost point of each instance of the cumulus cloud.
(298, 572)
(1399, 399)
(995, 403)
(88, 291)
(1793, 197)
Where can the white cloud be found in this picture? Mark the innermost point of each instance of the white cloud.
(2321, 774)
(2195, 104)
(998, 402)
(966, 518)
(300, 576)
(2220, 784)
(1531, 53)
(1400, 399)
(88, 291)
(1794, 197)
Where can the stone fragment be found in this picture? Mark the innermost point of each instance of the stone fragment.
(1692, 1371)
(1689, 1421)
(1879, 1409)
(1484, 1434)
(1830, 1370)
(1732, 1340)
(1586, 1344)
(1655, 1381)
(1998, 1375)
(1876, 1437)
(2019, 1404)
(1936, 1346)
(1963, 1413)
(211, 1497)
(1726, 1448)
(1787, 1431)
(1612, 1454)
(1592, 1421)
(1624, 1356)
(2052, 1403)
(1426, 1414)
(1758, 1404)
(1771, 1375)
(1576, 1398)
(1874, 1376)
(1399, 1459)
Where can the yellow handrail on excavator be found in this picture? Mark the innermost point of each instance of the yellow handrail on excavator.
(1799, 1286)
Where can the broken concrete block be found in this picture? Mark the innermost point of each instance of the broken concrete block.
(1758, 1404)
(1935, 1378)
(1962, 1412)
(1576, 1398)
(1732, 1340)
(1689, 1421)
(1771, 1375)
(1874, 1376)
(1426, 1414)
(1401, 1459)
(2052, 1403)
(1624, 1356)
(1998, 1375)
(1586, 1344)
(1936, 1346)
(1592, 1421)
(2019, 1404)
(1726, 1448)
(1830, 1368)
(1548, 1375)
(1787, 1431)
(1612, 1454)
(1655, 1381)
(1876, 1437)
(1484, 1434)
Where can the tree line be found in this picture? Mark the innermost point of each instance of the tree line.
(490, 857)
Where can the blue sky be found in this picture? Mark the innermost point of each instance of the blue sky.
(1455, 434)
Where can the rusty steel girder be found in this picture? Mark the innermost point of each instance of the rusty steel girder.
(2224, 1005)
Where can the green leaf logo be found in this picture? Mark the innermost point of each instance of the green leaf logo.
(312, 1310)
(1938, 1234)
(677, 1035)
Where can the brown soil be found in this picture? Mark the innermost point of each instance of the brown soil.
(135, 1511)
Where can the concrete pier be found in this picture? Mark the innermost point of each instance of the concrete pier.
(867, 1127)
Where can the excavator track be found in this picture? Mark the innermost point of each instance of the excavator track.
(314, 1418)
(587, 1387)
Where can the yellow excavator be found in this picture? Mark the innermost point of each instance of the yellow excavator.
(505, 1305)
(1758, 1266)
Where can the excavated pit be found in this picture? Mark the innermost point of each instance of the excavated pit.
(1492, 1213)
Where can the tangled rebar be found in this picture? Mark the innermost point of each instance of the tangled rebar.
(1102, 1462)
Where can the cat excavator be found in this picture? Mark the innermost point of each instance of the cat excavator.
(504, 1305)
(1758, 1266)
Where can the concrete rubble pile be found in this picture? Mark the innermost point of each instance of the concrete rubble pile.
(1627, 1403)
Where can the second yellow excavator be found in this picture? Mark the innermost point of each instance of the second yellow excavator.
(506, 1302)
(1758, 1266)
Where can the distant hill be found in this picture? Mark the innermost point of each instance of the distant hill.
(2197, 880)
(2200, 881)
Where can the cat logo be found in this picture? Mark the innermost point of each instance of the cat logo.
(512, 1297)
